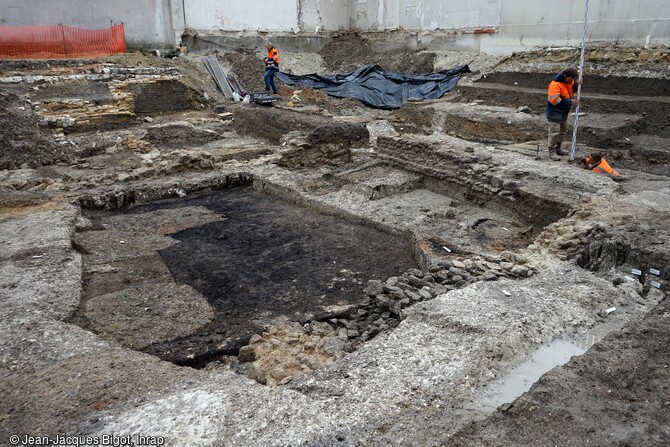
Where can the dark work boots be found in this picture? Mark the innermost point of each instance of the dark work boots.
(560, 151)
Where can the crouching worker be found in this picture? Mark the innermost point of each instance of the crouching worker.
(597, 163)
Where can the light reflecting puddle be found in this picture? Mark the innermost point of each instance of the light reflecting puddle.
(519, 380)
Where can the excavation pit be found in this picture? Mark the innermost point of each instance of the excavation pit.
(525, 250)
(191, 279)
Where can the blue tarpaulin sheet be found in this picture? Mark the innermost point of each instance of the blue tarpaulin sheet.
(378, 88)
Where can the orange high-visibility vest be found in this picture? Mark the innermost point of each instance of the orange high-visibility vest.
(273, 58)
(558, 91)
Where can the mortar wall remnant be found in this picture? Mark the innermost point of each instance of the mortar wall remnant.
(474, 176)
(163, 95)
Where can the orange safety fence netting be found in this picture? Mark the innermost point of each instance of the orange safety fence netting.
(59, 41)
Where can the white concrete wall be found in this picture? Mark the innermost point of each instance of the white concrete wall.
(146, 22)
(309, 16)
(517, 24)
(528, 23)
(241, 15)
(178, 18)
(424, 14)
(324, 15)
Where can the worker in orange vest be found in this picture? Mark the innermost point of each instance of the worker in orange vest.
(559, 102)
(271, 67)
(597, 163)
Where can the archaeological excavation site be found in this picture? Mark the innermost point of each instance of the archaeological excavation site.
(189, 259)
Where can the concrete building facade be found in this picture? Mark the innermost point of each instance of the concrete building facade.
(490, 26)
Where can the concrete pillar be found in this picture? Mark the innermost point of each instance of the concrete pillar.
(178, 19)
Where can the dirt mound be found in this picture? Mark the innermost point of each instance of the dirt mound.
(605, 60)
(272, 123)
(346, 53)
(24, 143)
(247, 67)
(349, 52)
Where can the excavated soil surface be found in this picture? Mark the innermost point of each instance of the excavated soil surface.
(24, 143)
(605, 85)
(627, 119)
(188, 279)
(591, 400)
(264, 261)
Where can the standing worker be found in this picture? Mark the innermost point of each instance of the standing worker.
(559, 102)
(271, 67)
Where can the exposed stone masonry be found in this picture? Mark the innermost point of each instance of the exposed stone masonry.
(103, 74)
(436, 161)
(284, 351)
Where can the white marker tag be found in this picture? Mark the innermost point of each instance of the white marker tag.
(449, 251)
(636, 272)
(630, 278)
(506, 293)
(655, 272)
(656, 284)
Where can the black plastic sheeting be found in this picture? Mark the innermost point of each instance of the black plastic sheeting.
(378, 88)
